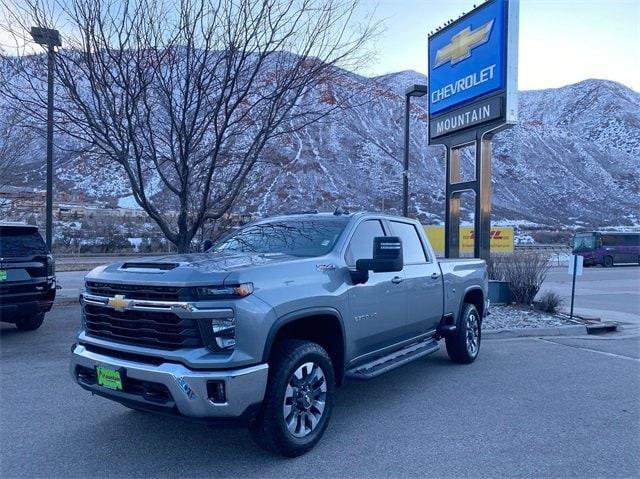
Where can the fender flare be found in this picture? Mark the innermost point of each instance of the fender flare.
(467, 291)
(301, 314)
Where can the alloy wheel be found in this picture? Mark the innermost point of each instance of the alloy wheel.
(473, 334)
(304, 399)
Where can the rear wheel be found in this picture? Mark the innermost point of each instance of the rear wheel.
(463, 347)
(30, 323)
(298, 401)
(608, 261)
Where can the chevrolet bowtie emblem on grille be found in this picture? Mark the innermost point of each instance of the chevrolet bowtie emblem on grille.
(462, 43)
(118, 302)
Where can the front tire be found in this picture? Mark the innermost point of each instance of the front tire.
(299, 399)
(463, 347)
(30, 323)
(608, 261)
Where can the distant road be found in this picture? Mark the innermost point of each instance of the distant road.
(610, 293)
(98, 258)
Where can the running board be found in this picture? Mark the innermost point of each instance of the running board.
(394, 360)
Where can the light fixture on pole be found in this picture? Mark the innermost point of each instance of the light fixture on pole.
(414, 90)
(51, 39)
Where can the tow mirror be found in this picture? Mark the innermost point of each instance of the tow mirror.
(206, 245)
(387, 256)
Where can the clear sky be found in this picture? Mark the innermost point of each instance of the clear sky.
(561, 41)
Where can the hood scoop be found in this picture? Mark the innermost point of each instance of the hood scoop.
(148, 267)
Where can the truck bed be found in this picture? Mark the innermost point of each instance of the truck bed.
(459, 276)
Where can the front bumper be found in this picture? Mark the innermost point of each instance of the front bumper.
(188, 395)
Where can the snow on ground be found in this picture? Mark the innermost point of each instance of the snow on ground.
(510, 317)
(128, 202)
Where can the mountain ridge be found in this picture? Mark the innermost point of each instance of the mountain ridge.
(572, 159)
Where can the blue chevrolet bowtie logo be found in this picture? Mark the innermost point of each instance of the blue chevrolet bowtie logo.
(462, 43)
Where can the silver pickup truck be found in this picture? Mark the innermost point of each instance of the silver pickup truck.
(261, 328)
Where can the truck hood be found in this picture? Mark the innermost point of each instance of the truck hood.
(184, 269)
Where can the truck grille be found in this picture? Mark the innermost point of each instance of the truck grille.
(154, 329)
(132, 291)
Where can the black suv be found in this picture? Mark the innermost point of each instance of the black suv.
(27, 276)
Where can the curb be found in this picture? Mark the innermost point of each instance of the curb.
(572, 330)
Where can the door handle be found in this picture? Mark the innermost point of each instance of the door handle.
(397, 280)
(435, 275)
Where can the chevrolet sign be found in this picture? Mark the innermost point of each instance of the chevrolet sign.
(461, 44)
(474, 59)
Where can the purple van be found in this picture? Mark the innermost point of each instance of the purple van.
(607, 248)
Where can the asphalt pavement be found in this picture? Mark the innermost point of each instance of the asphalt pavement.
(609, 293)
(533, 407)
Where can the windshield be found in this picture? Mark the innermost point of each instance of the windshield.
(20, 242)
(303, 238)
(584, 242)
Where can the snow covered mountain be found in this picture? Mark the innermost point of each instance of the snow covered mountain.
(573, 159)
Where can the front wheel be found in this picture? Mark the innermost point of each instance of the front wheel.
(298, 401)
(463, 347)
(608, 261)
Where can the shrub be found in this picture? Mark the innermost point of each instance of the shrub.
(494, 267)
(525, 272)
(549, 302)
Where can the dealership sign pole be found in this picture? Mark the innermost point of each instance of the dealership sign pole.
(473, 94)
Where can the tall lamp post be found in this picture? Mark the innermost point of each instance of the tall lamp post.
(415, 90)
(51, 39)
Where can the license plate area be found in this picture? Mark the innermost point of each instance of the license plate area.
(110, 378)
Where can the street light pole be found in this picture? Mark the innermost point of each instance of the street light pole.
(50, 60)
(415, 90)
(51, 39)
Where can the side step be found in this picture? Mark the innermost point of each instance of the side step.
(394, 360)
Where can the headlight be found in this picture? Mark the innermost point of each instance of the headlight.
(221, 292)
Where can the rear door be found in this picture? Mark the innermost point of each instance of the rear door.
(378, 307)
(423, 280)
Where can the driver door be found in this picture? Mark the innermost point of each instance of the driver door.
(378, 307)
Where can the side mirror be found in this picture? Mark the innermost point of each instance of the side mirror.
(206, 245)
(387, 256)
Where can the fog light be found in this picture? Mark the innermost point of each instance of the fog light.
(216, 391)
(224, 331)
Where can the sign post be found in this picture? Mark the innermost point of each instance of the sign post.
(472, 95)
(575, 268)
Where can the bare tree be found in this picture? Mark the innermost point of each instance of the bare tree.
(15, 141)
(184, 96)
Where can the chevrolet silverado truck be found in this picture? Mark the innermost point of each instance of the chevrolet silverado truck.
(263, 326)
(27, 276)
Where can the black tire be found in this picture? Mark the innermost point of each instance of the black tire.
(270, 430)
(459, 349)
(30, 323)
(608, 262)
